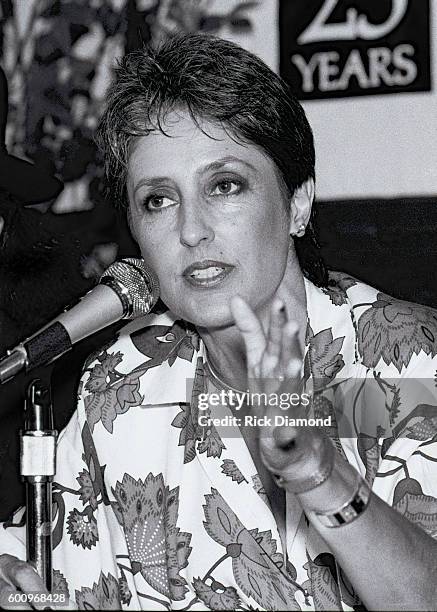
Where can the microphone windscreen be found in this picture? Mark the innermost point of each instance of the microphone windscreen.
(136, 285)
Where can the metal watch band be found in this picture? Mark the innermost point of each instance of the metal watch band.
(350, 511)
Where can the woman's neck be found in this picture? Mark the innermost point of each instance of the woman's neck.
(225, 346)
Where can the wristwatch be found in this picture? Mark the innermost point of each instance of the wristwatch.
(349, 511)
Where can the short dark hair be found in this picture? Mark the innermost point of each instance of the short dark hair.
(219, 81)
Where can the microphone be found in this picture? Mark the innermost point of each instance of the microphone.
(127, 289)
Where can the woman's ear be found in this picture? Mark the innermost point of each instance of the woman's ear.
(300, 207)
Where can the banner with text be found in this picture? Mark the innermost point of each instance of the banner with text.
(339, 48)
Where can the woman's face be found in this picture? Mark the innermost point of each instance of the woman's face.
(210, 217)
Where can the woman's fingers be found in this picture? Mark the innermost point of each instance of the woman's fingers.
(283, 446)
(251, 330)
(16, 574)
(290, 360)
(272, 358)
(22, 574)
(278, 354)
(272, 352)
(9, 598)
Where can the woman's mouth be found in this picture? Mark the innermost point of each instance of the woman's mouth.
(207, 273)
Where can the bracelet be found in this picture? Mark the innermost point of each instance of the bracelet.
(322, 472)
(349, 511)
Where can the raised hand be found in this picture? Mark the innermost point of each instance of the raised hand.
(274, 363)
(271, 357)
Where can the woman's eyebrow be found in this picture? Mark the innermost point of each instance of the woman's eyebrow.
(155, 181)
(219, 163)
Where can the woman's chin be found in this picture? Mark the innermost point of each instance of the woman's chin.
(211, 316)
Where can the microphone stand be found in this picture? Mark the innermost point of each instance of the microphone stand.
(38, 467)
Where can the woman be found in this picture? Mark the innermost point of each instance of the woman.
(157, 508)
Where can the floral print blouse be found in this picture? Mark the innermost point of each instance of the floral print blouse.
(153, 511)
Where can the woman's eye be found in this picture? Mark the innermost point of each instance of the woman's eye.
(227, 187)
(158, 202)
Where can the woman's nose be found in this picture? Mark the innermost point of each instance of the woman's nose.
(195, 228)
